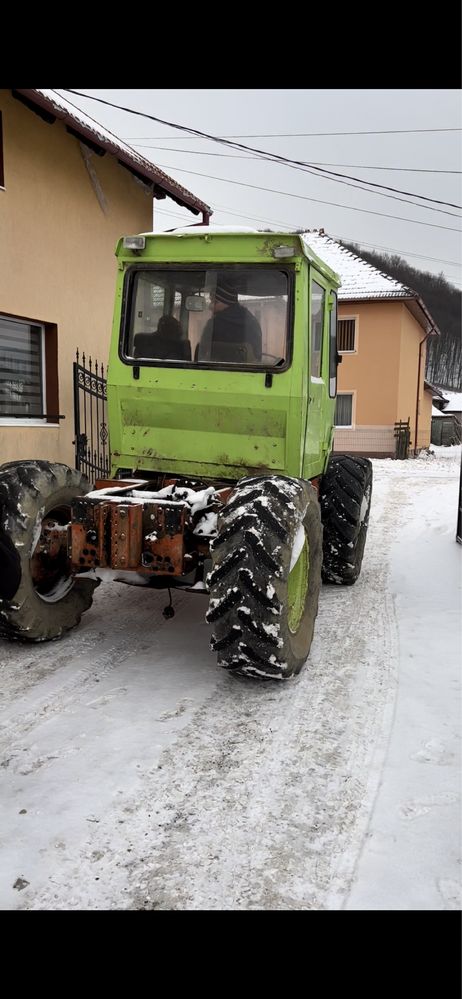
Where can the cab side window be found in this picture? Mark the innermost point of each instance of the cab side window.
(333, 346)
(318, 296)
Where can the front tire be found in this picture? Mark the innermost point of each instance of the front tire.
(47, 600)
(265, 578)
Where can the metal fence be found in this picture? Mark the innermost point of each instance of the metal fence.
(92, 455)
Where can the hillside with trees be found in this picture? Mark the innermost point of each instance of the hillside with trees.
(443, 300)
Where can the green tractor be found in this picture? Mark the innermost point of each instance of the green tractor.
(221, 389)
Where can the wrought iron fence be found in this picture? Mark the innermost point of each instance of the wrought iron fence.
(92, 455)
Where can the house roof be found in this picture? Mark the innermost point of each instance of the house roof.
(53, 106)
(454, 402)
(436, 392)
(362, 281)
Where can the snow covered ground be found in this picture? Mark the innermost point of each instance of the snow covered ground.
(136, 775)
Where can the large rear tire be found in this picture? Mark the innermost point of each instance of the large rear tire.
(47, 599)
(265, 578)
(345, 495)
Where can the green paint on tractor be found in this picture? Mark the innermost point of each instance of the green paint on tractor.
(222, 416)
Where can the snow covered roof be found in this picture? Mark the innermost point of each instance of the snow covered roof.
(359, 279)
(362, 281)
(454, 402)
(91, 132)
(436, 392)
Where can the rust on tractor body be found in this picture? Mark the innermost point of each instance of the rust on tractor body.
(126, 530)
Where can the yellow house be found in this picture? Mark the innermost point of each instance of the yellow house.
(68, 190)
(382, 338)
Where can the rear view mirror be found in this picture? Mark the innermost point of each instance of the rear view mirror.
(195, 303)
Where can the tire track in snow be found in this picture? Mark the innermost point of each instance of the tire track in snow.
(294, 812)
(263, 800)
(50, 691)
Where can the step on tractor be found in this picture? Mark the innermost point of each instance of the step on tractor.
(221, 388)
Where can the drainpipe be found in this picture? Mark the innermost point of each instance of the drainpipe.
(418, 388)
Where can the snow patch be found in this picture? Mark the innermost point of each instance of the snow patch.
(271, 629)
(37, 530)
(364, 506)
(298, 546)
(207, 525)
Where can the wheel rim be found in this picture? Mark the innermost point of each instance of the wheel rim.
(297, 588)
(51, 577)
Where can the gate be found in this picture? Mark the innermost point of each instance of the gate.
(90, 419)
(402, 435)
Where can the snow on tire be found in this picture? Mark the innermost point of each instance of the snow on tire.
(345, 496)
(46, 600)
(266, 576)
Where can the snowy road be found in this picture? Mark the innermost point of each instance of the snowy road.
(135, 774)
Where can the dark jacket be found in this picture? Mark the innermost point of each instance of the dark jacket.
(233, 325)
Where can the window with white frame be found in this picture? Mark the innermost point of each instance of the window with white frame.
(344, 410)
(346, 336)
(22, 382)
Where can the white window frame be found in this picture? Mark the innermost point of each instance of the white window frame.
(350, 319)
(352, 425)
(30, 421)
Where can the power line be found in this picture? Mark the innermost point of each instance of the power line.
(357, 187)
(354, 166)
(381, 194)
(363, 166)
(294, 135)
(302, 197)
(292, 228)
(331, 175)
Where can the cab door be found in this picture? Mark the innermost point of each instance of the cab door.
(317, 390)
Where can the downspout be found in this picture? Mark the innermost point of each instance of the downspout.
(418, 387)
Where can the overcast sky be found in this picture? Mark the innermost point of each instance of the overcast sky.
(267, 119)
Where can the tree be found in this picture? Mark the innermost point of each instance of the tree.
(443, 301)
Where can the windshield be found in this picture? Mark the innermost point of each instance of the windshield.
(219, 316)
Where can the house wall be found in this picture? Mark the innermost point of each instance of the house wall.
(382, 374)
(60, 221)
(372, 374)
(412, 335)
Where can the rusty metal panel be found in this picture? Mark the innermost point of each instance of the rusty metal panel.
(78, 543)
(101, 512)
(87, 534)
(164, 543)
(144, 537)
(126, 535)
(167, 554)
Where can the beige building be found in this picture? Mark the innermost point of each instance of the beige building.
(68, 190)
(382, 338)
